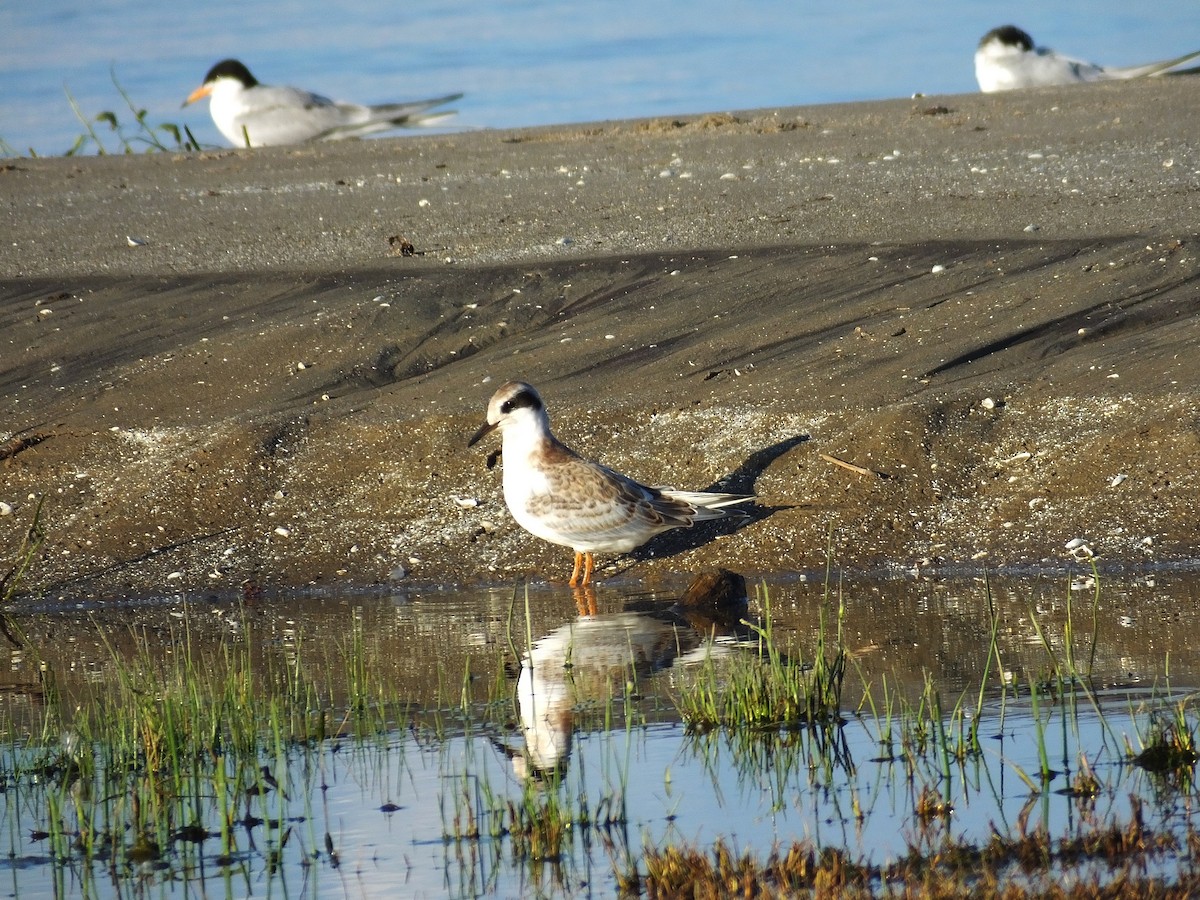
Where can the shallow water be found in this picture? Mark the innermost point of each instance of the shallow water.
(528, 62)
(485, 721)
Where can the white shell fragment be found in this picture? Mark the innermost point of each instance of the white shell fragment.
(1117, 479)
(135, 241)
(938, 269)
(1078, 548)
(466, 502)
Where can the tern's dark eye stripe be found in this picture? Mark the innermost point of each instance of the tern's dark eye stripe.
(522, 398)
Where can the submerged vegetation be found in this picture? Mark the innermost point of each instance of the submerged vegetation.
(216, 743)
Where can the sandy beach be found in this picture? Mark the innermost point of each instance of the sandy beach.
(942, 333)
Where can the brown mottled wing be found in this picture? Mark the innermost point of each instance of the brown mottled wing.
(605, 506)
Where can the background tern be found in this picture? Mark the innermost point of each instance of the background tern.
(260, 115)
(1007, 59)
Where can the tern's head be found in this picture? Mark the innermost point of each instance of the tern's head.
(515, 405)
(1006, 38)
(227, 72)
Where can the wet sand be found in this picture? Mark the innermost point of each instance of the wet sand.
(945, 333)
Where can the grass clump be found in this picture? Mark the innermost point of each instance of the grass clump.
(1113, 859)
(1169, 747)
(763, 687)
(141, 135)
(106, 133)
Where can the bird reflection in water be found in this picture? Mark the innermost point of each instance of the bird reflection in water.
(586, 658)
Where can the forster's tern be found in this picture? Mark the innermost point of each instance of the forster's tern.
(259, 115)
(557, 495)
(1007, 59)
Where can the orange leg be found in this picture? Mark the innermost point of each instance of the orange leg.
(587, 562)
(574, 582)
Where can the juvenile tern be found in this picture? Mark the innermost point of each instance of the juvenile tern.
(561, 497)
(1007, 59)
(259, 115)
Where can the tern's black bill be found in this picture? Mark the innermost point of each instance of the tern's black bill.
(483, 429)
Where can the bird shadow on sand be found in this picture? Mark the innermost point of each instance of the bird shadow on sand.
(740, 481)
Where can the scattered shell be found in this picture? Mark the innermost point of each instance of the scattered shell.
(174, 576)
(1117, 479)
(283, 532)
(466, 502)
(729, 176)
(938, 269)
(1078, 548)
(1032, 228)
(135, 241)
(987, 403)
(5, 508)
(422, 202)
(44, 311)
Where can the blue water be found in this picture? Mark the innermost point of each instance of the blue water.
(530, 62)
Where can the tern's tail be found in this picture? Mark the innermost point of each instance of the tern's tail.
(413, 114)
(709, 505)
(1162, 67)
